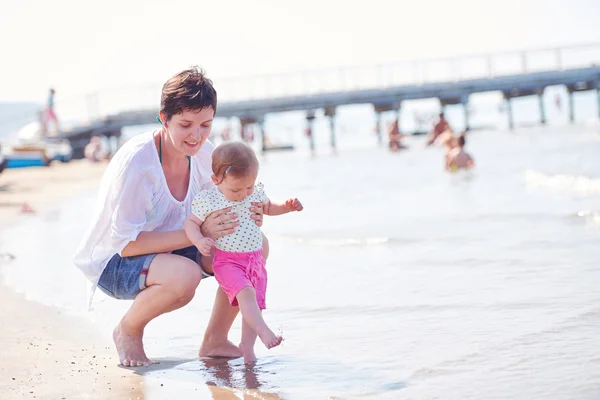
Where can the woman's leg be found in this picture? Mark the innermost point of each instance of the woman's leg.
(171, 283)
(265, 252)
(215, 342)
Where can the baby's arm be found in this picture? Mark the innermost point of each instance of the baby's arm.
(278, 208)
(192, 228)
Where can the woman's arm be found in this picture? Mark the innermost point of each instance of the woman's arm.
(156, 242)
(217, 224)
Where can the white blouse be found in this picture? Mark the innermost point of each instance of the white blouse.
(134, 197)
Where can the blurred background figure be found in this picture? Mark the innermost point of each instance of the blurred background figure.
(226, 133)
(50, 116)
(439, 128)
(558, 102)
(449, 142)
(248, 133)
(456, 157)
(395, 137)
(94, 150)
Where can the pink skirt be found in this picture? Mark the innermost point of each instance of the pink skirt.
(235, 271)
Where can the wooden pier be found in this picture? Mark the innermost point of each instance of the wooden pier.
(386, 87)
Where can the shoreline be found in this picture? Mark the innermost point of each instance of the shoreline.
(47, 353)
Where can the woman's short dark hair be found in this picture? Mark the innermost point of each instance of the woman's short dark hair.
(187, 90)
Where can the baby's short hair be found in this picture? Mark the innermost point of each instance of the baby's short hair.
(233, 158)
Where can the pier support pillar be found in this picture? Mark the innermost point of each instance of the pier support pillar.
(511, 123)
(378, 127)
(540, 94)
(398, 113)
(464, 100)
(330, 112)
(598, 94)
(310, 117)
(263, 136)
(466, 110)
(571, 107)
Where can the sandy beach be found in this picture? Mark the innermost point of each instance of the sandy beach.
(46, 353)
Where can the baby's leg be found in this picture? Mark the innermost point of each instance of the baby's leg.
(248, 340)
(252, 316)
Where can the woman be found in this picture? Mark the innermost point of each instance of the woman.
(136, 247)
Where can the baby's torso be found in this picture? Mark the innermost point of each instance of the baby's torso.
(247, 236)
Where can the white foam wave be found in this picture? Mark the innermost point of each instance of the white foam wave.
(592, 217)
(573, 184)
(337, 242)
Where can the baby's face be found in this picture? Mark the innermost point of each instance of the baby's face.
(237, 189)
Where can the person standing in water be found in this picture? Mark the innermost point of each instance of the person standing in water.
(440, 127)
(395, 137)
(457, 158)
(50, 114)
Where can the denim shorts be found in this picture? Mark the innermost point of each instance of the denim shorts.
(124, 277)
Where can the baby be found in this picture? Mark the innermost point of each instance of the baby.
(238, 263)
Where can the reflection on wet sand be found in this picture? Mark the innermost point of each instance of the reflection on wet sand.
(224, 378)
(228, 380)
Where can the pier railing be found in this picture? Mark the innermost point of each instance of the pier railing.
(335, 80)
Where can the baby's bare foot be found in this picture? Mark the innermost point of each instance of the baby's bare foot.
(248, 351)
(269, 339)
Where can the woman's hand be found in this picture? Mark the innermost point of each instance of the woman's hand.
(257, 213)
(219, 223)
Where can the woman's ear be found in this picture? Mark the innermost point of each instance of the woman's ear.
(163, 119)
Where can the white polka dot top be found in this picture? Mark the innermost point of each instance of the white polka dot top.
(247, 236)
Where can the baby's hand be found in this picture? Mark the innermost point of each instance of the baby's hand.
(205, 245)
(294, 204)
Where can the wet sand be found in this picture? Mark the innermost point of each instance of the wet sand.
(46, 353)
(41, 187)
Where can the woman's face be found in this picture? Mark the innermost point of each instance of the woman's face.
(189, 130)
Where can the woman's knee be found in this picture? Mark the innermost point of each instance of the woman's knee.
(177, 274)
(187, 280)
(265, 248)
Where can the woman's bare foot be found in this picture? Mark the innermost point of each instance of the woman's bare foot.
(211, 348)
(248, 351)
(269, 339)
(130, 348)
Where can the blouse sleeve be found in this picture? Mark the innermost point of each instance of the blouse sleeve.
(260, 191)
(131, 194)
(201, 205)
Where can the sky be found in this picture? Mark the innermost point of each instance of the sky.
(79, 46)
